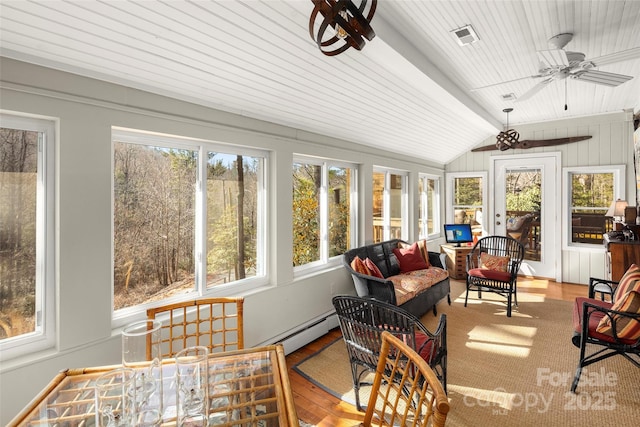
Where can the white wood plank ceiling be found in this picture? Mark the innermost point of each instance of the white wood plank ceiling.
(409, 90)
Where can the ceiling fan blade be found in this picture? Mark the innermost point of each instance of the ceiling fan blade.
(475, 89)
(623, 55)
(530, 143)
(554, 58)
(537, 88)
(602, 78)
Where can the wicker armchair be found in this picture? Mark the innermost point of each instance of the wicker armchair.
(405, 390)
(212, 322)
(481, 277)
(363, 321)
(622, 335)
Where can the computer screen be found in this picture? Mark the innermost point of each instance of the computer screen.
(458, 233)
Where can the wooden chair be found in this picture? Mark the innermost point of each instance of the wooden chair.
(363, 320)
(492, 265)
(620, 338)
(406, 391)
(212, 322)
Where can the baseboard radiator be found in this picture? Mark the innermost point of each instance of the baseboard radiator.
(308, 332)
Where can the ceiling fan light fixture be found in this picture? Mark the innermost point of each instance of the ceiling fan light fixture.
(343, 24)
(508, 138)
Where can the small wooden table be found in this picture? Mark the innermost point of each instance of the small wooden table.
(456, 260)
(259, 392)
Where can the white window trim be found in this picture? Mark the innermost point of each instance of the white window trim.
(450, 178)
(45, 240)
(619, 191)
(134, 136)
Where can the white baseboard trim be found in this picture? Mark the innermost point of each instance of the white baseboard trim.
(307, 332)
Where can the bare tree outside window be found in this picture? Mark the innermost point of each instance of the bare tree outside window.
(154, 208)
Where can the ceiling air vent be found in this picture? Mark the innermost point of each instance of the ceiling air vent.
(508, 97)
(465, 35)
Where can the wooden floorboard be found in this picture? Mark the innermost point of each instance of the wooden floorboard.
(318, 407)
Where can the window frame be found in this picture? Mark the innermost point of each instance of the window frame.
(324, 259)
(44, 337)
(423, 216)
(619, 191)
(386, 202)
(450, 179)
(141, 137)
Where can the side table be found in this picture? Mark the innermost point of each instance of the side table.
(456, 259)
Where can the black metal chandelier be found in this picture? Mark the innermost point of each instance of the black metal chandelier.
(508, 138)
(344, 25)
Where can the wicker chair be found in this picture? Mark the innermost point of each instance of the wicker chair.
(405, 390)
(212, 322)
(362, 321)
(501, 282)
(587, 314)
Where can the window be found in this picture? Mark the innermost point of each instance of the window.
(26, 235)
(429, 206)
(390, 210)
(323, 214)
(177, 234)
(466, 197)
(589, 193)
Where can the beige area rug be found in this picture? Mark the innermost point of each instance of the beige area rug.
(509, 371)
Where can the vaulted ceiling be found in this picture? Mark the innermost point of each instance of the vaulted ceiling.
(410, 90)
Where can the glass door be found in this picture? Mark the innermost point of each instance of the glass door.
(525, 208)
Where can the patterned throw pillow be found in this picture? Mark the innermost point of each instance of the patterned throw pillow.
(358, 265)
(628, 281)
(410, 259)
(422, 246)
(373, 268)
(494, 262)
(626, 328)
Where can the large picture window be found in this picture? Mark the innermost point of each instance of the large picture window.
(323, 211)
(589, 193)
(188, 218)
(26, 235)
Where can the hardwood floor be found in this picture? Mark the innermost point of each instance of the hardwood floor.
(318, 407)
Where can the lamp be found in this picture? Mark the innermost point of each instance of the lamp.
(508, 138)
(348, 21)
(616, 211)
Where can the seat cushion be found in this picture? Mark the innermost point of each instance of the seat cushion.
(501, 276)
(408, 285)
(594, 320)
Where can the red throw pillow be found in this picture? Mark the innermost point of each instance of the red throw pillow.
(373, 268)
(410, 259)
(422, 245)
(358, 265)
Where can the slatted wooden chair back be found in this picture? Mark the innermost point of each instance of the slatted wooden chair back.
(405, 391)
(216, 323)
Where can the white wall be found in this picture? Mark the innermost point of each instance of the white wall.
(611, 144)
(86, 110)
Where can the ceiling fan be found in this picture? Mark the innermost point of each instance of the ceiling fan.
(559, 64)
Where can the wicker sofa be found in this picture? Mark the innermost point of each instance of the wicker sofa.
(416, 292)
